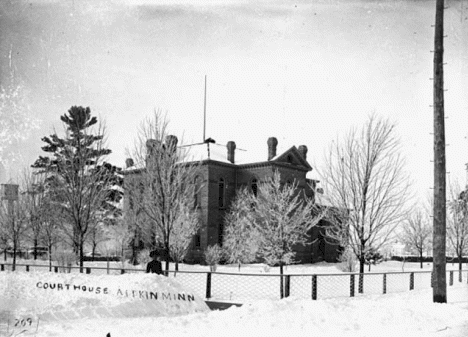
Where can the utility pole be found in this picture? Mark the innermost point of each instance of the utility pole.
(439, 290)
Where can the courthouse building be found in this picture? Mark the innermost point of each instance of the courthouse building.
(224, 170)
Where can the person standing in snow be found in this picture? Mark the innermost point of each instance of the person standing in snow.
(154, 266)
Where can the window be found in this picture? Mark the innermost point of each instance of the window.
(196, 192)
(221, 193)
(197, 240)
(254, 186)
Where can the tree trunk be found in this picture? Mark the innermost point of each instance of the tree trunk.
(281, 281)
(50, 256)
(35, 248)
(166, 256)
(362, 262)
(80, 252)
(421, 259)
(460, 266)
(439, 290)
(13, 267)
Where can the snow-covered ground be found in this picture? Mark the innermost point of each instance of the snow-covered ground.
(259, 282)
(409, 313)
(404, 314)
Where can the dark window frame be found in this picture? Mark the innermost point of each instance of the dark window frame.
(221, 193)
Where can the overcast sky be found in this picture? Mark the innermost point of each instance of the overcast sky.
(302, 71)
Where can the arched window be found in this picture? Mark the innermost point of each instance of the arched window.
(221, 193)
(254, 186)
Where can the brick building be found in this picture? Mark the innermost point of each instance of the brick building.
(224, 170)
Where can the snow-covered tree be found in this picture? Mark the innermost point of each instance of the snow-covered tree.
(165, 184)
(213, 255)
(282, 216)
(241, 238)
(186, 225)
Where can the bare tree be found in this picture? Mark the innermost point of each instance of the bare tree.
(34, 197)
(51, 229)
(366, 187)
(457, 220)
(118, 234)
(417, 234)
(165, 184)
(95, 236)
(14, 224)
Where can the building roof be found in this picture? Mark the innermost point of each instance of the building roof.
(219, 153)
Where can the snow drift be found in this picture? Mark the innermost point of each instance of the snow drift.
(52, 297)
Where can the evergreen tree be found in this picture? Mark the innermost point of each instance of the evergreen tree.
(77, 178)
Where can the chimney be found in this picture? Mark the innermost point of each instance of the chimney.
(303, 151)
(272, 142)
(231, 149)
(129, 162)
(171, 143)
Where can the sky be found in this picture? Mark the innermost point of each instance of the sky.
(304, 72)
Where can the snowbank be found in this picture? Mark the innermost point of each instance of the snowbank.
(59, 297)
(129, 313)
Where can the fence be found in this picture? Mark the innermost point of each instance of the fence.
(237, 287)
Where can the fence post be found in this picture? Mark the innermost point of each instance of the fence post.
(314, 287)
(55, 269)
(411, 281)
(361, 283)
(208, 285)
(351, 285)
(88, 270)
(27, 268)
(451, 277)
(384, 283)
(287, 285)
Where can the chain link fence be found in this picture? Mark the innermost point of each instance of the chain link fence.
(237, 287)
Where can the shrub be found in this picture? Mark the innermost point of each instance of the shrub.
(348, 261)
(213, 255)
(143, 256)
(65, 259)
